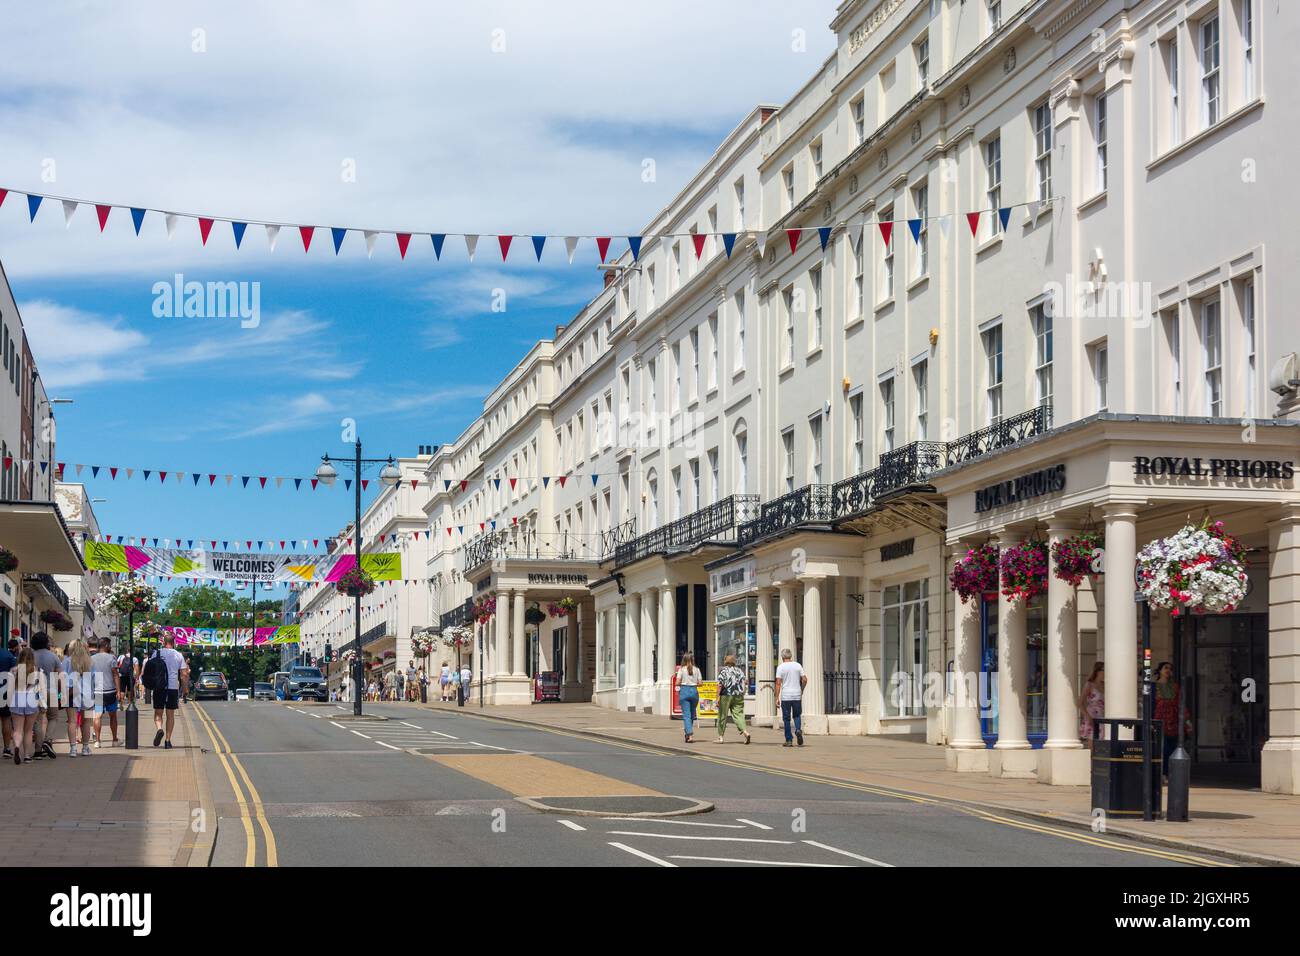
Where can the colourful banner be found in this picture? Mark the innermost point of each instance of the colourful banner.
(233, 636)
(236, 566)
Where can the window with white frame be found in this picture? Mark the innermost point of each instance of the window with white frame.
(676, 274)
(593, 432)
(887, 414)
(787, 459)
(1246, 13)
(742, 459)
(1212, 356)
(1101, 376)
(856, 241)
(1041, 319)
(787, 183)
(650, 507)
(1248, 327)
(815, 325)
(1101, 143)
(858, 108)
(992, 338)
(815, 449)
(738, 189)
(921, 203)
(677, 376)
(887, 259)
(921, 387)
(607, 438)
(715, 484)
(994, 19)
(787, 342)
(1043, 150)
(1174, 80)
(677, 493)
(713, 352)
(922, 51)
(857, 434)
(1208, 31)
(815, 156)
(738, 359)
(652, 399)
(696, 497)
(649, 289)
(711, 240)
(993, 181)
(695, 364)
(1173, 338)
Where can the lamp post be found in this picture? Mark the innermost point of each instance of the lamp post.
(390, 475)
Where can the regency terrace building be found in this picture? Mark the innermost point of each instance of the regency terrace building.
(1001, 272)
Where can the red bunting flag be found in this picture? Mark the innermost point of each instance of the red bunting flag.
(100, 210)
(403, 240)
(414, 482)
(3, 194)
(365, 483)
(504, 243)
(464, 484)
(262, 481)
(562, 479)
(113, 472)
(886, 230)
(793, 235)
(973, 220)
(205, 227)
(602, 246)
(512, 483)
(162, 477)
(306, 232)
(212, 480)
(314, 482)
(698, 240)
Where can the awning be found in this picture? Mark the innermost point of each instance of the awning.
(34, 531)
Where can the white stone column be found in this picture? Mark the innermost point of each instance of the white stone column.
(1121, 611)
(1280, 760)
(632, 650)
(667, 648)
(814, 695)
(649, 633)
(786, 633)
(1063, 759)
(966, 751)
(1012, 756)
(519, 643)
(765, 672)
(572, 650)
(498, 635)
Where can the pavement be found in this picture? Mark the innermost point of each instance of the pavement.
(1247, 825)
(147, 807)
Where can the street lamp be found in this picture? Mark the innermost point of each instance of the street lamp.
(389, 475)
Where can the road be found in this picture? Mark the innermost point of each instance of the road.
(302, 785)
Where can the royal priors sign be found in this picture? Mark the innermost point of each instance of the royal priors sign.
(1035, 484)
(1252, 469)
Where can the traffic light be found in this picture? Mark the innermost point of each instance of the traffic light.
(329, 653)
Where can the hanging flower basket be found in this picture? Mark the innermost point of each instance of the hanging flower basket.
(128, 596)
(1202, 570)
(355, 583)
(454, 637)
(148, 631)
(534, 616)
(1023, 570)
(563, 607)
(56, 620)
(484, 609)
(421, 645)
(976, 574)
(8, 561)
(350, 657)
(1073, 557)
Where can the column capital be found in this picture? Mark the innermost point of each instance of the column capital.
(1121, 509)
(765, 589)
(1288, 513)
(812, 578)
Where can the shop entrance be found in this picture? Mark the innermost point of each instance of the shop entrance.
(1225, 659)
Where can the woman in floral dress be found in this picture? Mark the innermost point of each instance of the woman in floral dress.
(1092, 701)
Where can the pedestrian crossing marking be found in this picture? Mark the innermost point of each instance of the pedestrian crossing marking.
(525, 775)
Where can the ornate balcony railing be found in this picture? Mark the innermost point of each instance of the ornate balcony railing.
(618, 535)
(531, 545)
(1008, 431)
(716, 522)
(458, 616)
(901, 468)
(810, 504)
(51, 587)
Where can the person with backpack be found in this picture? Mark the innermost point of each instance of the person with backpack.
(731, 697)
(688, 694)
(165, 674)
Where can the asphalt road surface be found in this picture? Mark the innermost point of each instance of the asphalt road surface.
(303, 785)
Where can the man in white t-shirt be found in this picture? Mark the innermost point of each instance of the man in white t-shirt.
(790, 682)
(178, 672)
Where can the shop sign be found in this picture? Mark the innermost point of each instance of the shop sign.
(484, 584)
(1172, 466)
(736, 579)
(708, 705)
(1035, 484)
(897, 549)
(550, 577)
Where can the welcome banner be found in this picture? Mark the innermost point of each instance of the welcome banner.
(236, 566)
(234, 636)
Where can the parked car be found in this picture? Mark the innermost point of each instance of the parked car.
(262, 690)
(211, 685)
(306, 683)
(241, 693)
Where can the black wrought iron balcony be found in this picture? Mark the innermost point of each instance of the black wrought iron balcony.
(719, 521)
(532, 546)
(51, 587)
(618, 535)
(458, 616)
(1007, 431)
(905, 467)
(811, 504)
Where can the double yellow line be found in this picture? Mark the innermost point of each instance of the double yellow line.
(227, 757)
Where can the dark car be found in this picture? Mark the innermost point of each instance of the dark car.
(211, 685)
(306, 683)
(263, 691)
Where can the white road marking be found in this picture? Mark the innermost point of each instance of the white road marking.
(338, 725)
(572, 826)
(441, 734)
(753, 823)
(644, 856)
(856, 856)
(409, 724)
(475, 743)
(683, 836)
(727, 859)
(318, 716)
(680, 823)
(389, 746)
(360, 734)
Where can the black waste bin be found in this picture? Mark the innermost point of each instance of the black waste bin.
(1117, 766)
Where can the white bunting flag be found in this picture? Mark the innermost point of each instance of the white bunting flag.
(129, 473)
(471, 243)
(761, 238)
(170, 219)
(370, 243)
(945, 224)
(79, 467)
(180, 477)
(69, 208)
(279, 482)
(230, 478)
(570, 244)
(272, 236)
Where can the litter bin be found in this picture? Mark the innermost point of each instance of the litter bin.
(1117, 766)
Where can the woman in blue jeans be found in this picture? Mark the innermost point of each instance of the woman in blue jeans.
(688, 693)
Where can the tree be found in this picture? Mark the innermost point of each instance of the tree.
(188, 606)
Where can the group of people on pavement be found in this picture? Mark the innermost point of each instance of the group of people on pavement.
(732, 683)
(89, 685)
(412, 685)
(454, 681)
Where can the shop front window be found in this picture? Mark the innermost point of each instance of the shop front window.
(904, 623)
(736, 626)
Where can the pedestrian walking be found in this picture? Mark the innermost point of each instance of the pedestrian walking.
(79, 700)
(1092, 701)
(424, 686)
(455, 686)
(412, 688)
(47, 662)
(399, 683)
(1169, 710)
(28, 688)
(466, 677)
(444, 679)
(8, 661)
(790, 682)
(688, 694)
(167, 689)
(106, 687)
(731, 697)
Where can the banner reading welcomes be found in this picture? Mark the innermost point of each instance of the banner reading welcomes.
(237, 566)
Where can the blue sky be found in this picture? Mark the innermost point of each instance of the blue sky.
(492, 117)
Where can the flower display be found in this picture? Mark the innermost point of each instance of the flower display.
(976, 573)
(454, 637)
(8, 561)
(421, 645)
(147, 630)
(534, 616)
(56, 619)
(128, 596)
(1023, 570)
(1202, 570)
(484, 608)
(1073, 558)
(355, 583)
(563, 607)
